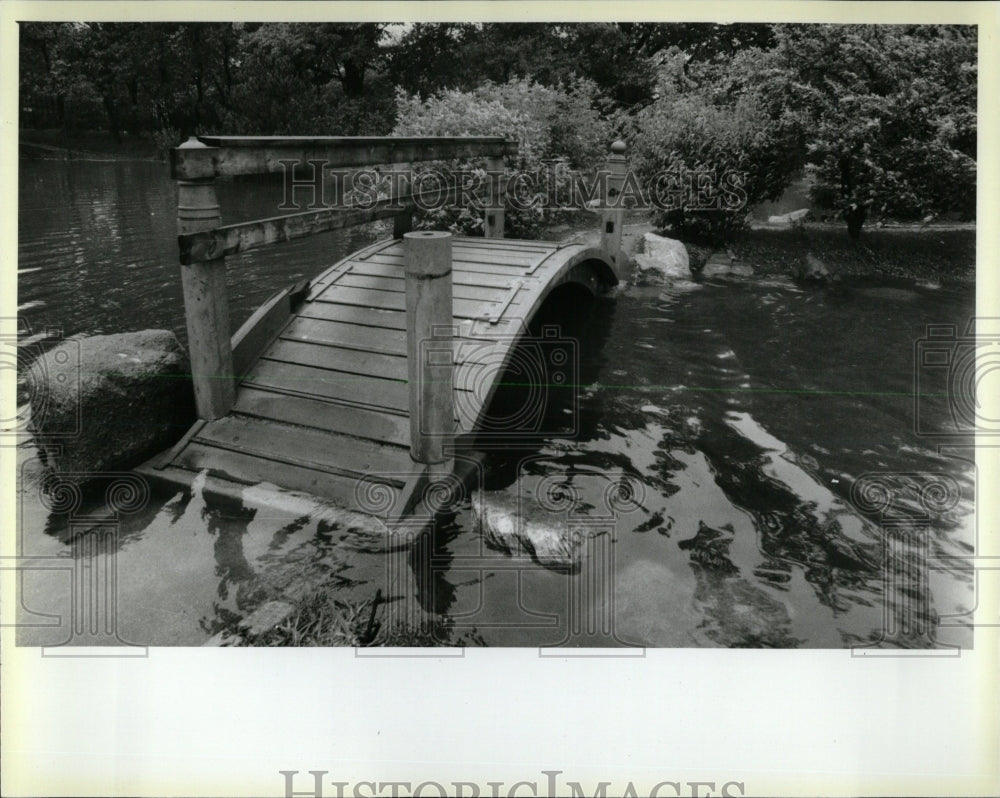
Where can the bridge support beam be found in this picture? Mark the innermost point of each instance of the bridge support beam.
(429, 348)
(614, 214)
(206, 301)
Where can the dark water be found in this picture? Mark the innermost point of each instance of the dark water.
(742, 458)
(97, 247)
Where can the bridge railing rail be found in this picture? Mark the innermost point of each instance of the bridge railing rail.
(204, 242)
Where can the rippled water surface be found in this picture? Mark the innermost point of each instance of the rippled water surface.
(741, 457)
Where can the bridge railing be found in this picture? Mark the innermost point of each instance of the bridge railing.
(205, 242)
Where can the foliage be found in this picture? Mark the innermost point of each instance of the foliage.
(884, 116)
(890, 112)
(726, 151)
(549, 124)
(144, 78)
(310, 80)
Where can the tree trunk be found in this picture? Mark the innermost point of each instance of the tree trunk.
(353, 79)
(855, 219)
(113, 125)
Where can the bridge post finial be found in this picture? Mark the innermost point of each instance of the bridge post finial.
(206, 300)
(614, 213)
(429, 353)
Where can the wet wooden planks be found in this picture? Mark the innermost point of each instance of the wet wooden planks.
(324, 408)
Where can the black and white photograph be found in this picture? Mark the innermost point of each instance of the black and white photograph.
(405, 340)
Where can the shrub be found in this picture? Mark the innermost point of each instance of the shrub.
(749, 154)
(554, 128)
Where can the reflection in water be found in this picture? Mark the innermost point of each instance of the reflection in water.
(746, 411)
(739, 456)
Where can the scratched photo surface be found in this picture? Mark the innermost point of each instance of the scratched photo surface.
(603, 335)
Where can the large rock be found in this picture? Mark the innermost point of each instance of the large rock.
(525, 528)
(725, 264)
(664, 257)
(107, 402)
(813, 269)
(791, 218)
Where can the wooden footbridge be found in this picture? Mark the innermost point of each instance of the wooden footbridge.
(366, 378)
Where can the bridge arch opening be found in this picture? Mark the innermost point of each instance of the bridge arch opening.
(542, 392)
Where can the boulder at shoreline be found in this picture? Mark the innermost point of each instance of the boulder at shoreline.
(665, 258)
(107, 402)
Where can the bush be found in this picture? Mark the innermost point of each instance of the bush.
(749, 156)
(555, 128)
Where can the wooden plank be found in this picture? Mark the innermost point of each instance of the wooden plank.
(459, 276)
(347, 419)
(362, 390)
(248, 155)
(398, 284)
(526, 244)
(369, 339)
(351, 361)
(251, 470)
(259, 330)
(459, 265)
(336, 333)
(390, 300)
(164, 459)
(351, 314)
(468, 251)
(314, 448)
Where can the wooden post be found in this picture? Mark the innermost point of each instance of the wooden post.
(614, 213)
(403, 223)
(206, 301)
(429, 333)
(493, 221)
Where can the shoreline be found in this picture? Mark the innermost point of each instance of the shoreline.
(944, 254)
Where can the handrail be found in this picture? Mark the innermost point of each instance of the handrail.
(226, 156)
(235, 238)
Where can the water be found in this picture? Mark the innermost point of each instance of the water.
(97, 247)
(706, 447)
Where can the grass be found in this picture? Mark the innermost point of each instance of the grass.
(945, 254)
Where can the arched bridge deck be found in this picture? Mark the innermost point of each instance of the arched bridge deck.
(324, 406)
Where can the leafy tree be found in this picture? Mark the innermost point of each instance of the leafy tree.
(890, 111)
(311, 79)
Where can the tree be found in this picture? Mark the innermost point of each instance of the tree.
(891, 112)
(319, 79)
(708, 148)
